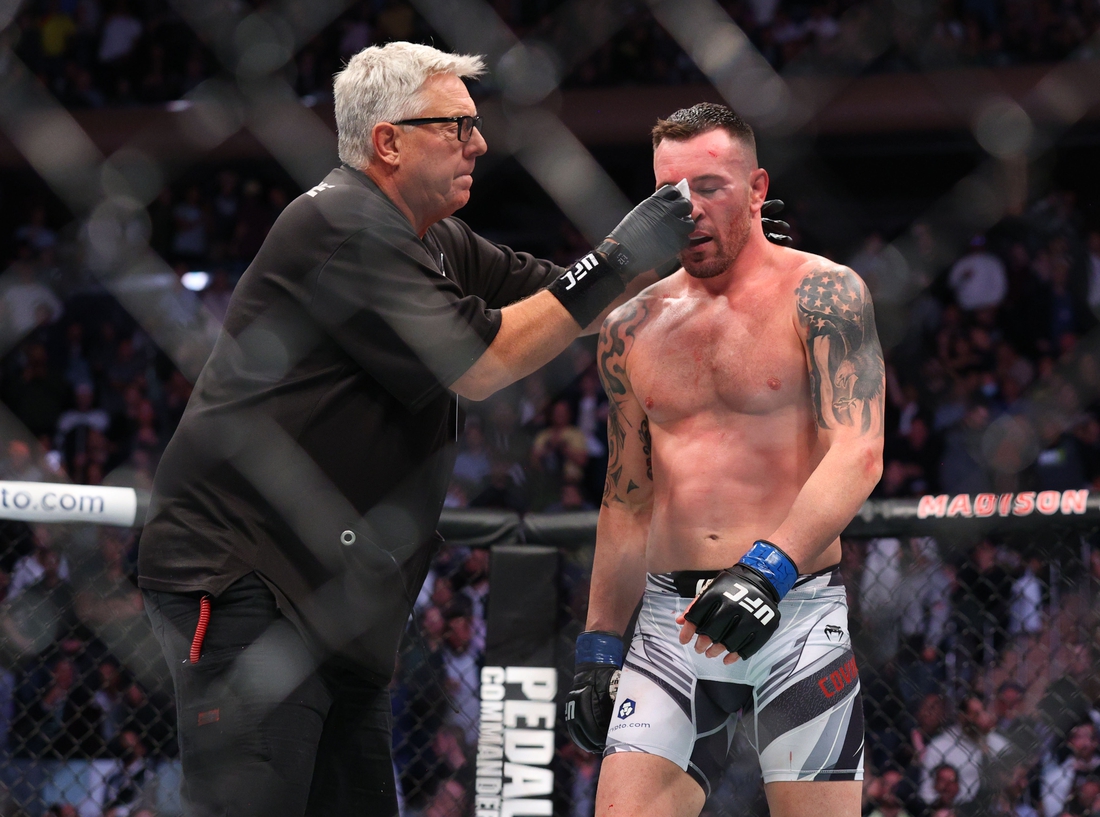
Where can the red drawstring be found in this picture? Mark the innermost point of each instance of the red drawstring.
(200, 630)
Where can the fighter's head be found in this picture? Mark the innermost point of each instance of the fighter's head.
(705, 117)
(715, 150)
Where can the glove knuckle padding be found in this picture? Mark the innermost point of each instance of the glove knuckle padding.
(654, 231)
(739, 610)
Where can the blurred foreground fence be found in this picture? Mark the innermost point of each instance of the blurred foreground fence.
(974, 620)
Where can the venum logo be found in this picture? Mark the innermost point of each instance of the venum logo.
(627, 708)
(833, 632)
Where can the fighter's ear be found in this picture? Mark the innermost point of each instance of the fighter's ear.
(758, 183)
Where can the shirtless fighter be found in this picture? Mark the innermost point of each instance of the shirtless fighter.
(745, 431)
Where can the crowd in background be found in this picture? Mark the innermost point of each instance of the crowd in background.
(97, 53)
(978, 659)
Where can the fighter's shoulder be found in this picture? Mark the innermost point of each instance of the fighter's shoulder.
(801, 265)
(810, 274)
(635, 313)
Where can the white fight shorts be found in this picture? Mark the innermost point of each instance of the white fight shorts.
(798, 697)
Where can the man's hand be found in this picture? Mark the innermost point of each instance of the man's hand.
(776, 230)
(650, 235)
(589, 704)
(739, 610)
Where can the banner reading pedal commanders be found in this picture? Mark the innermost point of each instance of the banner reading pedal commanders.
(519, 685)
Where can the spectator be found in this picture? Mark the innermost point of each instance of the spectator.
(33, 567)
(945, 790)
(981, 606)
(36, 234)
(462, 665)
(963, 467)
(968, 747)
(19, 465)
(1014, 798)
(559, 454)
(1066, 701)
(190, 233)
(472, 466)
(127, 786)
(978, 278)
(1018, 728)
(419, 706)
(473, 583)
(109, 603)
(506, 439)
(217, 294)
(1094, 271)
(26, 303)
(110, 697)
(1060, 780)
(74, 425)
(931, 715)
(37, 394)
(879, 597)
(883, 796)
(503, 490)
(121, 31)
(55, 716)
(40, 617)
(1025, 612)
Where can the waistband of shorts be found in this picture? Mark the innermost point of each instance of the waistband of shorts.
(688, 583)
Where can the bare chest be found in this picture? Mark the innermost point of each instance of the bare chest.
(721, 358)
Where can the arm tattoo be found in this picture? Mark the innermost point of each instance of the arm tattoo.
(617, 333)
(847, 375)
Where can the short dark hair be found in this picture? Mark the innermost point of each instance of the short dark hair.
(703, 118)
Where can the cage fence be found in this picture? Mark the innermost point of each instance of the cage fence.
(86, 710)
(976, 652)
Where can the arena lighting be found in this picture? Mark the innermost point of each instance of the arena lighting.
(195, 280)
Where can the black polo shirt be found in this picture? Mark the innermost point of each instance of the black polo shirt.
(317, 445)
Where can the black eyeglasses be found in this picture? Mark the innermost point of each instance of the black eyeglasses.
(466, 124)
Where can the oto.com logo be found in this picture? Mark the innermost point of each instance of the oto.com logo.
(625, 709)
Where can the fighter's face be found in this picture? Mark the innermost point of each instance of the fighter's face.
(727, 191)
(436, 169)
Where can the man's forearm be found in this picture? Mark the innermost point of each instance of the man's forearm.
(532, 333)
(832, 495)
(618, 569)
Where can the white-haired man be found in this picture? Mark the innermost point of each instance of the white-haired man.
(294, 510)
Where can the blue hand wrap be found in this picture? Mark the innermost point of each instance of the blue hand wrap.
(599, 648)
(773, 564)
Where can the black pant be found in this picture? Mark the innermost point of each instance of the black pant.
(263, 729)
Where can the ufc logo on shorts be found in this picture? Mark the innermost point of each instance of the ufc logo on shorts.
(570, 710)
(580, 269)
(761, 611)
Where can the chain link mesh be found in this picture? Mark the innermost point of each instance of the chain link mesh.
(980, 655)
(86, 716)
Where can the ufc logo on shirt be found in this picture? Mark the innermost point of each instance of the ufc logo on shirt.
(760, 609)
(580, 269)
